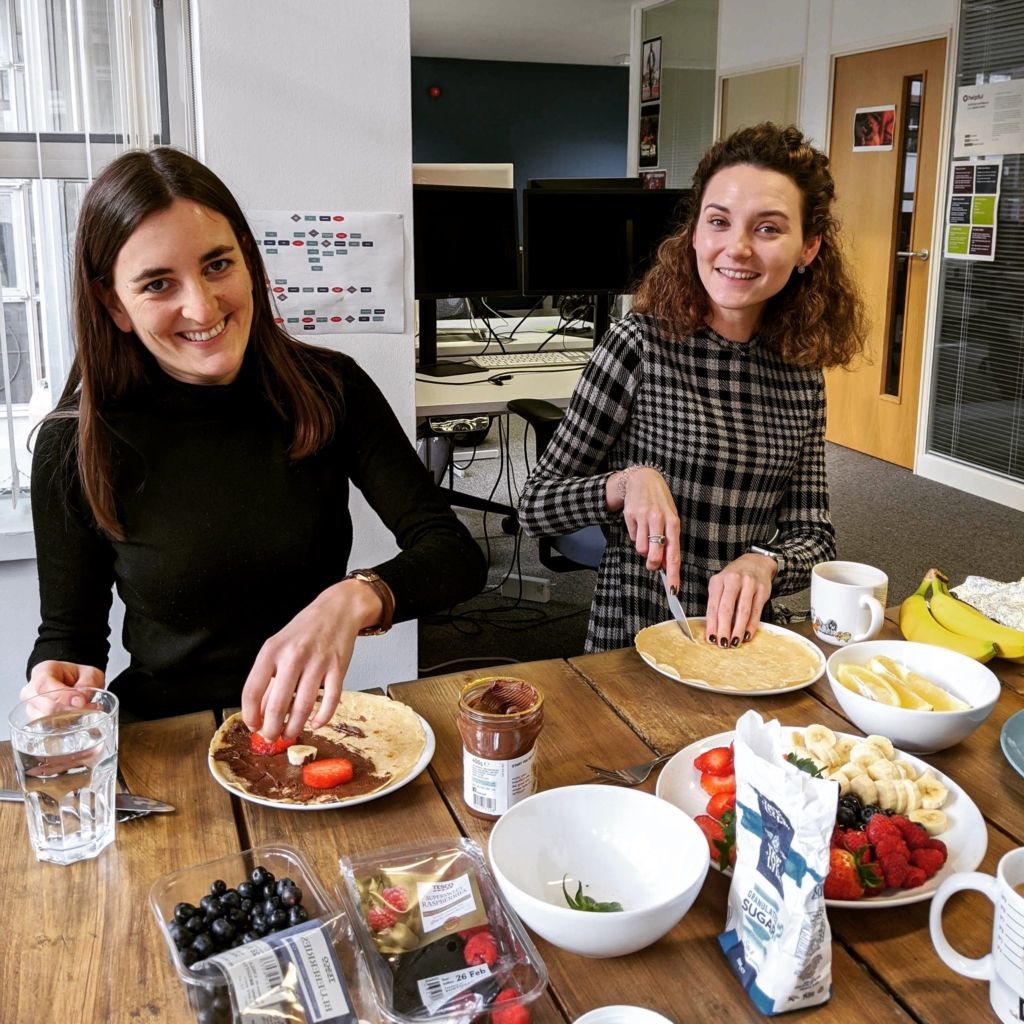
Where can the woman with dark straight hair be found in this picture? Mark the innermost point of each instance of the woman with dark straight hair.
(696, 433)
(200, 459)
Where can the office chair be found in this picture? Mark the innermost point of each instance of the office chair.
(583, 548)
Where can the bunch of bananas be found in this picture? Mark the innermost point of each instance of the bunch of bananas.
(947, 622)
(870, 768)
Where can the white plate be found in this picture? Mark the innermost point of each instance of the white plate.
(726, 691)
(417, 768)
(966, 838)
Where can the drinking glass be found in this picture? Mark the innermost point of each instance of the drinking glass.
(65, 753)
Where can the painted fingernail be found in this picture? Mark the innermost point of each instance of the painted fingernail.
(735, 642)
(674, 591)
(713, 638)
(746, 636)
(723, 642)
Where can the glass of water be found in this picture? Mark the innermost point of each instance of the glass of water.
(65, 752)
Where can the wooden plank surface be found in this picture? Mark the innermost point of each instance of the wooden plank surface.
(82, 942)
(683, 976)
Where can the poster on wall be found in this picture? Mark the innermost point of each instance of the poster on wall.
(873, 129)
(650, 80)
(333, 272)
(989, 119)
(972, 210)
(653, 179)
(649, 117)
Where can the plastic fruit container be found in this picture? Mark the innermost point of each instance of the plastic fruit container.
(207, 990)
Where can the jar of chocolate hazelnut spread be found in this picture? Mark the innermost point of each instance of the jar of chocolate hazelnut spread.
(500, 719)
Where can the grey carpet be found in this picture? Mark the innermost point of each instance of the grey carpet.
(884, 515)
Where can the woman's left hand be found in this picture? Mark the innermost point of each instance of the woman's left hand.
(312, 651)
(736, 596)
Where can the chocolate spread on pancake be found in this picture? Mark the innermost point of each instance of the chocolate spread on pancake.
(347, 730)
(274, 778)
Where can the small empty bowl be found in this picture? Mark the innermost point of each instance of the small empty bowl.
(622, 1015)
(918, 732)
(621, 844)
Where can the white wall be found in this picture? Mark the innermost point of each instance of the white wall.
(301, 102)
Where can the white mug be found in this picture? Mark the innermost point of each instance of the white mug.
(847, 601)
(1003, 968)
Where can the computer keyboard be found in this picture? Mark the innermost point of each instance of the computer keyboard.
(519, 360)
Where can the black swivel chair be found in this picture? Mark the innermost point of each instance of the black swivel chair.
(583, 548)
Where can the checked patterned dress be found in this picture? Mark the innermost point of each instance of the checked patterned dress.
(739, 435)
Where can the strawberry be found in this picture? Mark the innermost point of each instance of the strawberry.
(380, 918)
(265, 747)
(327, 773)
(508, 1014)
(848, 876)
(481, 949)
(396, 898)
(914, 877)
(928, 860)
(854, 840)
(721, 837)
(713, 784)
(720, 803)
(837, 838)
(717, 761)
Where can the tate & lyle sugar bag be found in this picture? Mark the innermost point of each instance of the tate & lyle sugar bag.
(777, 938)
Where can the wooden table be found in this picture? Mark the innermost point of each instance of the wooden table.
(82, 944)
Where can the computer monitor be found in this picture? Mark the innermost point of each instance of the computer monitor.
(466, 244)
(578, 183)
(595, 241)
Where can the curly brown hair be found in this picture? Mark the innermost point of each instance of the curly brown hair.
(817, 320)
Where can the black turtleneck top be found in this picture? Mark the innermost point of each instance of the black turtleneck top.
(226, 538)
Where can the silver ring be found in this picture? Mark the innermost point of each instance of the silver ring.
(657, 538)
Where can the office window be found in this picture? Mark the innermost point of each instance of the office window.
(80, 82)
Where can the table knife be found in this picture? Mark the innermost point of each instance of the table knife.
(677, 609)
(122, 801)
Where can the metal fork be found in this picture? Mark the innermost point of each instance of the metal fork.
(631, 776)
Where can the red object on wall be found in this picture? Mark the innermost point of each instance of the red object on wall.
(434, 92)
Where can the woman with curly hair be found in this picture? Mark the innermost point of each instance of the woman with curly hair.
(695, 436)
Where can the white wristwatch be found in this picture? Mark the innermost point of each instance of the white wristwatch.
(769, 553)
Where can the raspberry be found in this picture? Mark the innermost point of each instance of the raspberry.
(380, 918)
(879, 826)
(914, 878)
(928, 860)
(900, 822)
(889, 846)
(396, 898)
(481, 949)
(914, 835)
(937, 844)
(508, 1014)
(894, 869)
(467, 933)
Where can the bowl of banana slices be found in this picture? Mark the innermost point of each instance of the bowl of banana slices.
(924, 698)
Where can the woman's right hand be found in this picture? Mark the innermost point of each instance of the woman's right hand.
(649, 511)
(62, 675)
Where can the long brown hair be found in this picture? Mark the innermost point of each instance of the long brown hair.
(817, 319)
(111, 365)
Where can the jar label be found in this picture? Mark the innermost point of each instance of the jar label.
(494, 786)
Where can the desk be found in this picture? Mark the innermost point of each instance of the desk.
(472, 394)
(83, 945)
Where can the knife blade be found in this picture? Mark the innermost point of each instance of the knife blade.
(122, 801)
(677, 609)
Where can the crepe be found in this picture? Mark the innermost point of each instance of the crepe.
(382, 738)
(768, 661)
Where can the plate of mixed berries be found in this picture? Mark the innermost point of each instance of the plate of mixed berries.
(927, 827)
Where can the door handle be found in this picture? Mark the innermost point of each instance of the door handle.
(920, 254)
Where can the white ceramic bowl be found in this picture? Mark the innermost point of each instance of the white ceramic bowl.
(918, 732)
(622, 1015)
(624, 845)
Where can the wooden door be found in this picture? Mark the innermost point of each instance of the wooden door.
(886, 203)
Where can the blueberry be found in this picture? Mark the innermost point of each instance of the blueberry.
(188, 956)
(297, 915)
(237, 916)
(260, 876)
(846, 817)
(278, 919)
(222, 930)
(246, 906)
(248, 937)
(284, 883)
(183, 911)
(210, 905)
(869, 812)
(269, 906)
(195, 924)
(218, 887)
(246, 890)
(269, 891)
(230, 899)
(291, 896)
(259, 924)
(202, 945)
(180, 935)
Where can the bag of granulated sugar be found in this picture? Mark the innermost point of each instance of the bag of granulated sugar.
(777, 938)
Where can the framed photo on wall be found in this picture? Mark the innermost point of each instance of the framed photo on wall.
(649, 118)
(650, 78)
(653, 179)
(873, 129)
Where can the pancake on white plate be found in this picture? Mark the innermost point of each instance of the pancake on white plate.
(382, 738)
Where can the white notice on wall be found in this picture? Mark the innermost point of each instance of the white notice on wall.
(989, 119)
(333, 272)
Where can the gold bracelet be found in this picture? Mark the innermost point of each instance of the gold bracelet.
(624, 478)
(387, 600)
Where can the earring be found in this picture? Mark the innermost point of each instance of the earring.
(801, 268)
